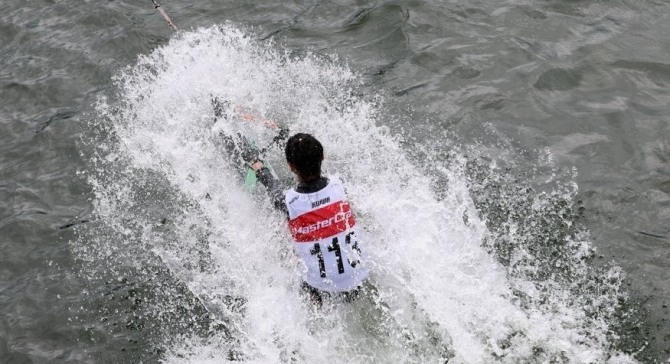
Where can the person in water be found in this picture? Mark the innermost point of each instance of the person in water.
(321, 222)
(320, 218)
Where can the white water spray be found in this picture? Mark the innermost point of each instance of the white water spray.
(441, 295)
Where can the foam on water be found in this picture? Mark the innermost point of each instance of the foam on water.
(169, 205)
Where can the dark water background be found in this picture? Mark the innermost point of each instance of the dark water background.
(582, 84)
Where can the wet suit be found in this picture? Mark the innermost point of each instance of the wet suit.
(322, 225)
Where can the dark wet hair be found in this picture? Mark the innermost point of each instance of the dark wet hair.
(305, 153)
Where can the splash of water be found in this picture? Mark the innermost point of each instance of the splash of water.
(219, 281)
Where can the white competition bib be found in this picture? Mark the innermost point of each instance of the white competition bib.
(323, 229)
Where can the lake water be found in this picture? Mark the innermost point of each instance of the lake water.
(509, 164)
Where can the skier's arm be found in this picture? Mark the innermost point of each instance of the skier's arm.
(272, 185)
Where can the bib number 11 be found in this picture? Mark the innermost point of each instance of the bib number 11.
(335, 247)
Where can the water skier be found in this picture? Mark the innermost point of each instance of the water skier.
(320, 218)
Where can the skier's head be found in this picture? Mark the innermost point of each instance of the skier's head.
(304, 155)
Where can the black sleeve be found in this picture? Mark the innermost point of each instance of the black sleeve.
(265, 176)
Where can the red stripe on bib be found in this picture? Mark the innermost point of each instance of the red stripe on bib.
(323, 222)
